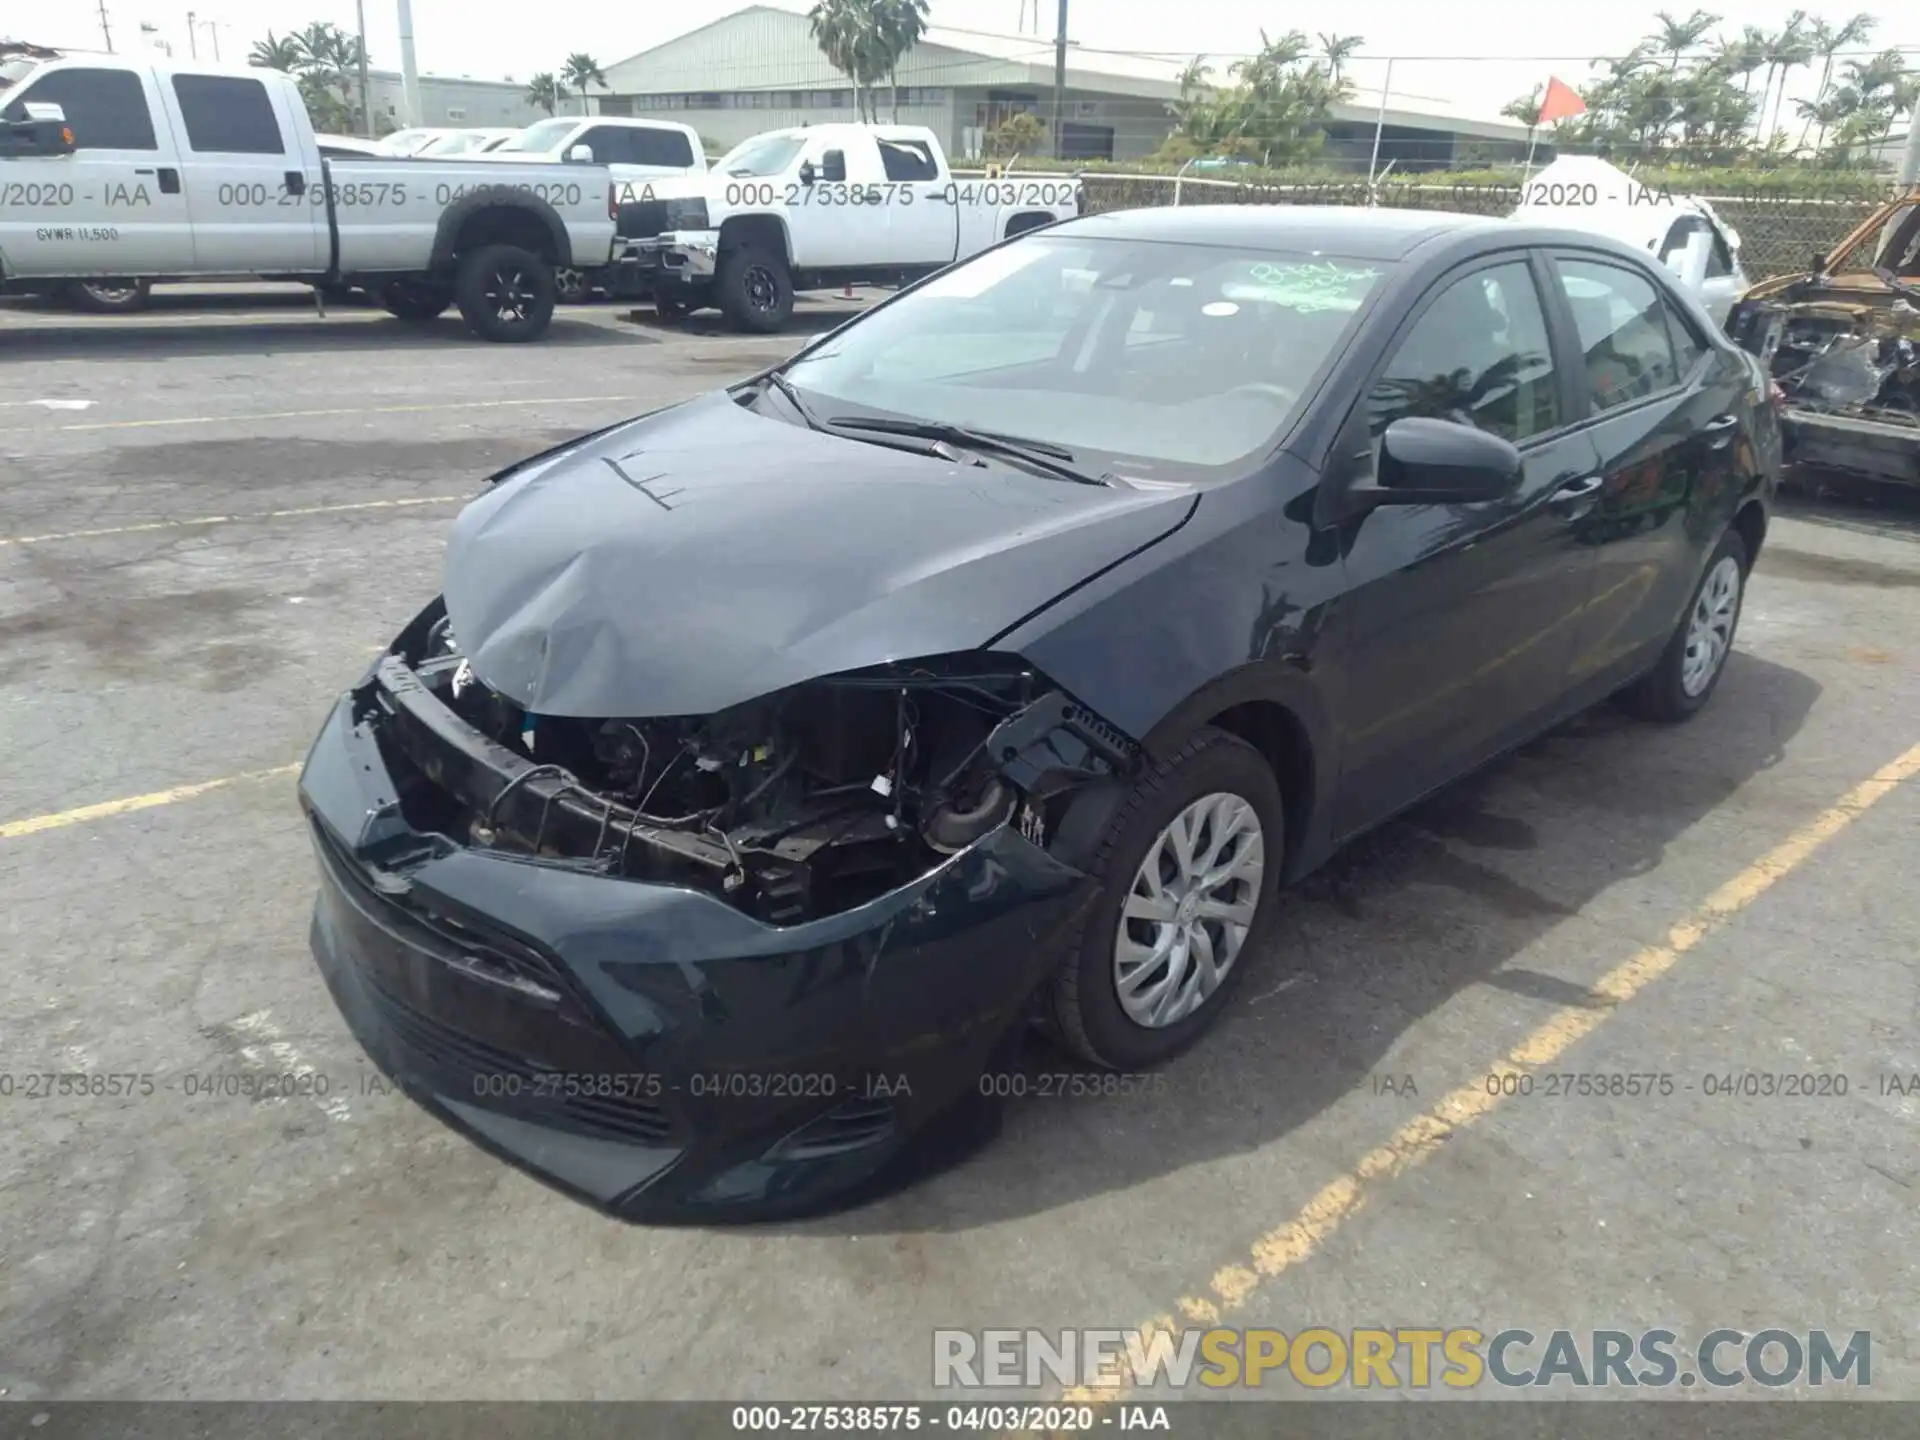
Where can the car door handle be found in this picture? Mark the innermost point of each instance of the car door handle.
(1719, 430)
(296, 182)
(1576, 497)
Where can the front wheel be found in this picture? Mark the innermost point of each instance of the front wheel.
(109, 297)
(754, 290)
(1681, 683)
(1188, 868)
(505, 293)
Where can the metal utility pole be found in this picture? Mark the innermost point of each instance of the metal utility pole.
(409, 76)
(193, 44)
(1060, 86)
(366, 102)
(213, 31)
(105, 33)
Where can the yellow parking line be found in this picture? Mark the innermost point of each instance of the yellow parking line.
(1285, 1246)
(14, 829)
(310, 414)
(151, 525)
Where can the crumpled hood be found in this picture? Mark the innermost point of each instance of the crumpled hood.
(705, 555)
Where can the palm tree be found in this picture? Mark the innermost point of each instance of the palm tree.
(276, 52)
(897, 27)
(543, 90)
(1676, 37)
(1785, 52)
(843, 29)
(580, 71)
(1827, 41)
(1338, 49)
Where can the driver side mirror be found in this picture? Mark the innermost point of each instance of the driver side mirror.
(833, 167)
(42, 131)
(1440, 462)
(580, 155)
(807, 173)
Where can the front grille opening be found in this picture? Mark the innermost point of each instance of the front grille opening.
(852, 1125)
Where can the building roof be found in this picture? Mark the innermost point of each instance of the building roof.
(764, 47)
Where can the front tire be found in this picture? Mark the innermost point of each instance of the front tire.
(1683, 680)
(754, 290)
(505, 294)
(1188, 869)
(109, 297)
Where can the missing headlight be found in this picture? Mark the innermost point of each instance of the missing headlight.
(800, 804)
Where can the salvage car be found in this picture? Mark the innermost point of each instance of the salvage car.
(1843, 343)
(770, 760)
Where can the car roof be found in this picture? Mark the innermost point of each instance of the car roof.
(1359, 232)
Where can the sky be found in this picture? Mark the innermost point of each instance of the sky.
(487, 39)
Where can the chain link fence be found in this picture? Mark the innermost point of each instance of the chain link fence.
(1779, 236)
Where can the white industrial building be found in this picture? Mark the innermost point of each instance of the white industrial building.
(759, 69)
(453, 101)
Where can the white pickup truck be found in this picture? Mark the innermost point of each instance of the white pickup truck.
(816, 208)
(117, 173)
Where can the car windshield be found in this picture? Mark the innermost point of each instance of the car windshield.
(1167, 360)
(541, 136)
(762, 155)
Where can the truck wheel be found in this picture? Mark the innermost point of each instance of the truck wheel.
(413, 300)
(109, 297)
(571, 286)
(754, 290)
(505, 293)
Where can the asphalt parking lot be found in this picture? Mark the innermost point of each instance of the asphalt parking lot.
(210, 518)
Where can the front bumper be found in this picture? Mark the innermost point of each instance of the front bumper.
(678, 260)
(646, 1047)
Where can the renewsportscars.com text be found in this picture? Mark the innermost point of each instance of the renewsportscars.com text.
(1458, 1358)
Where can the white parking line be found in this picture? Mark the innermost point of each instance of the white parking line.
(276, 1055)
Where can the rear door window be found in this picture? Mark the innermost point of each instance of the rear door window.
(1624, 333)
(227, 115)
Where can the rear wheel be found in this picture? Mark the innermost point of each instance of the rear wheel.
(571, 286)
(109, 297)
(1188, 870)
(754, 289)
(1691, 665)
(415, 300)
(505, 293)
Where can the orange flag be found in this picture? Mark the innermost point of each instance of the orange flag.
(1561, 101)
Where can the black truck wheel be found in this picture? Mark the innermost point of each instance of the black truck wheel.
(505, 293)
(754, 289)
(109, 297)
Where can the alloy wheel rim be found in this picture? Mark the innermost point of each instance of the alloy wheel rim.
(1188, 910)
(112, 292)
(760, 287)
(509, 294)
(1710, 628)
(570, 283)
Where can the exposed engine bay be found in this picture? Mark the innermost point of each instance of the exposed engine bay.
(1843, 344)
(796, 805)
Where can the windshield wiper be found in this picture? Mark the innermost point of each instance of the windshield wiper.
(792, 397)
(1053, 459)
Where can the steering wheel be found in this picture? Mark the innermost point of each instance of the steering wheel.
(1269, 388)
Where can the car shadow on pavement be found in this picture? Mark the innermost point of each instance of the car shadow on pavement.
(347, 330)
(1443, 899)
(711, 324)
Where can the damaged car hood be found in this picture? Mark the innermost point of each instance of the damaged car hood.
(705, 555)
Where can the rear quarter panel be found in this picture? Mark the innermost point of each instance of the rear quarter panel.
(388, 210)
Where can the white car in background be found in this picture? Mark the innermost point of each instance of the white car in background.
(1583, 192)
(413, 141)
